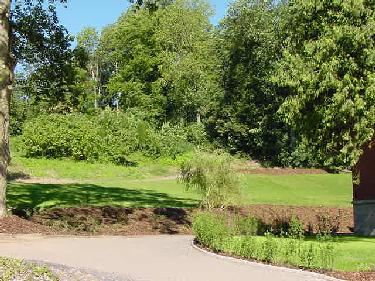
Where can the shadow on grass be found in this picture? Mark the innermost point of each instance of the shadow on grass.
(72, 195)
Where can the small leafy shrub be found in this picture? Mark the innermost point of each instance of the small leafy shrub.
(246, 225)
(280, 226)
(196, 134)
(270, 248)
(210, 229)
(327, 224)
(288, 226)
(296, 228)
(168, 141)
(212, 175)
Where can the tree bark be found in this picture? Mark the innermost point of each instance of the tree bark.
(6, 74)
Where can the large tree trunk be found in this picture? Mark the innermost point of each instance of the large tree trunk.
(5, 90)
(364, 193)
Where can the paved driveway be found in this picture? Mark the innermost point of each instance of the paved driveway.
(149, 258)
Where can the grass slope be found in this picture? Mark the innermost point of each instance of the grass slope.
(300, 190)
(151, 184)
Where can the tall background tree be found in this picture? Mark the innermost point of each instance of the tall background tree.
(87, 45)
(246, 118)
(162, 61)
(328, 70)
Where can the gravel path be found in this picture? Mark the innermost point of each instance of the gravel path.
(149, 258)
(68, 273)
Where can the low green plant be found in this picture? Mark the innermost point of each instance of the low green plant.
(210, 229)
(247, 225)
(270, 248)
(296, 228)
(213, 176)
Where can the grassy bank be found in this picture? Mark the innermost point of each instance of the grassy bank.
(153, 184)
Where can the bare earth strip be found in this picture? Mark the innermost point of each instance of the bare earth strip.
(147, 258)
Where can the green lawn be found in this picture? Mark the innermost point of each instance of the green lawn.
(302, 190)
(144, 186)
(70, 169)
(355, 254)
(134, 194)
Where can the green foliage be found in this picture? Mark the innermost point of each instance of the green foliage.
(216, 232)
(296, 228)
(247, 225)
(152, 183)
(162, 60)
(290, 227)
(210, 229)
(212, 175)
(289, 83)
(41, 45)
(245, 117)
(327, 69)
(109, 136)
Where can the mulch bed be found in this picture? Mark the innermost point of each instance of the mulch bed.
(313, 217)
(150, 221)
(254, 167)
(115, 220)
(16, 225)
(281, 171)
(353, 276)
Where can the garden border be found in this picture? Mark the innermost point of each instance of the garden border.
(260, 264)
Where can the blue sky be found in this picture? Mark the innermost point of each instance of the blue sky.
(82, 13)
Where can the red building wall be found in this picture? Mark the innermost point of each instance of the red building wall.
(365, 190)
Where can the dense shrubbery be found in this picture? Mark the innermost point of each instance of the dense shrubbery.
(108, 136)
(238, 237)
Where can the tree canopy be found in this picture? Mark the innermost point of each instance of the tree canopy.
(328, 70)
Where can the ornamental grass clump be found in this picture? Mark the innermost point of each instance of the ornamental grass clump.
(213, 176)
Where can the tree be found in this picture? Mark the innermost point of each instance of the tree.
(189, 68)
(19, 41)
(88, 41)
(162, 61)
(151, 5)
(246, 118)
(130, 55)
(328, 69)
(6, 70)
